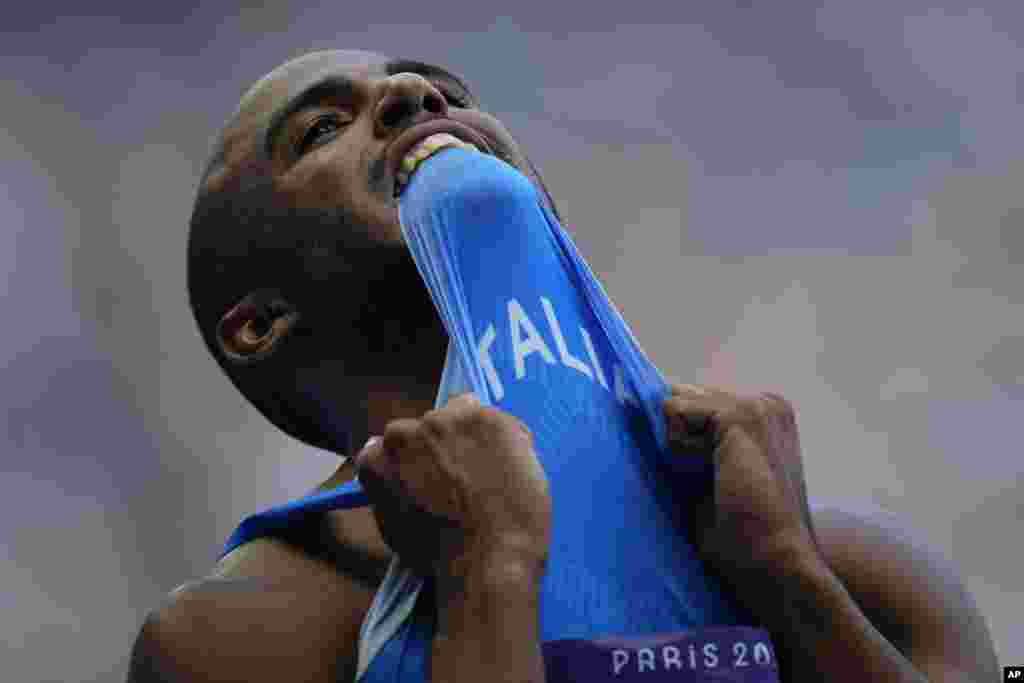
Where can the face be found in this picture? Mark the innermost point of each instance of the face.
(327, 297)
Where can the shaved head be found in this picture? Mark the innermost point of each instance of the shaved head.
(298, 273)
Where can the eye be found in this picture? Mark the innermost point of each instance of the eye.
(319, 129)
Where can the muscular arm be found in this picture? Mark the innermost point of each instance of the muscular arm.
(881, 607)
(488, 625)
(911, 593)
(273, 615)
(270, 612)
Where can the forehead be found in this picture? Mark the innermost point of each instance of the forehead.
(291, 77)
(238, 142)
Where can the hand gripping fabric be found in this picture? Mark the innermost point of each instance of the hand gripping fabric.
(532, 332)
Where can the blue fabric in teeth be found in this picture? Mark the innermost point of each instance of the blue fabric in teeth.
(532, 332)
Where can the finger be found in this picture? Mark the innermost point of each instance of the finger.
(466, 398)
(693, 407)
(392, 456)
(383, 490)
(396, 480)
(400, 436)
(371, 457)
(406, 443)
(378, 489)
(523, 427)
(418, 454)
(688, 417)
(466, 408)
(454, 411)
(392, 509)
(689, 390)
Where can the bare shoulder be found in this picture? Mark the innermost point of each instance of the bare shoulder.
(349, 546)
(912, 593)
(269, 611)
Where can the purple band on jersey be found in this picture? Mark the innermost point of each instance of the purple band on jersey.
(737, 654)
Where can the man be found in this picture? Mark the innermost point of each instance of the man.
(304, 291)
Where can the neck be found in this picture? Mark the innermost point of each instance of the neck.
(377, 406)
(381, 400)
(371, 385)
(385, 403)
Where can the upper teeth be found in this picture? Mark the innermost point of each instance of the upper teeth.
(423, 149)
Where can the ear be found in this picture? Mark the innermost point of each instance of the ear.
(255, 326)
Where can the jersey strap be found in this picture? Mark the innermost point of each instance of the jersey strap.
(278, 520)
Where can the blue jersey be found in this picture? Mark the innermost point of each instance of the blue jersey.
(533, 333)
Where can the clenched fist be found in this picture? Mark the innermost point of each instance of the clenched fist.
(757, 516)
(459, 486)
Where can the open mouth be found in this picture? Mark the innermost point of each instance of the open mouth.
(418, 143)
(422, 151)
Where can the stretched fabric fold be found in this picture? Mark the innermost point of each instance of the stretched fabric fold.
(532, 331)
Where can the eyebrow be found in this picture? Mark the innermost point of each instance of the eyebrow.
(313, 94)
(342, 86)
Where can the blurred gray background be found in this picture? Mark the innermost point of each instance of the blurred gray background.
(819, 198)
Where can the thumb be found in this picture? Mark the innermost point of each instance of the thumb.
(369, 454)
(375, 473)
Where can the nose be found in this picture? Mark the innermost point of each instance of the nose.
(404, 96)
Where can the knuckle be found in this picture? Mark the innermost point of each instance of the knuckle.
(485, 416)
(675, 405)
(749, 412)
(482, 420)
(778, 406)
(522, 427)
(689, 389)
(436, 423)
(467, 397)
(489, 419)
(399, 432)
(674, 418)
